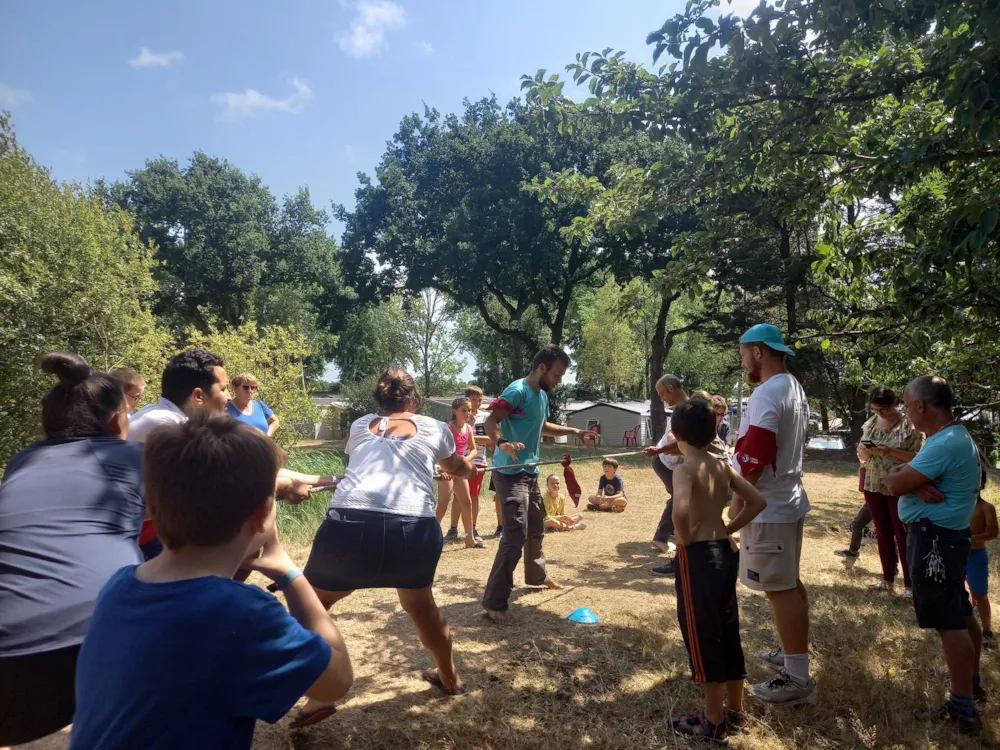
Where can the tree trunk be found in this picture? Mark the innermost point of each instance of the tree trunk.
(824, 416)
(859, 402)
(790, 274)
(658, 356)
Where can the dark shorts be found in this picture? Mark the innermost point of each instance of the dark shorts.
(708, 611)
(36, 694)
(977, 572)
(937, 558)
(362, 549)
(492, 488)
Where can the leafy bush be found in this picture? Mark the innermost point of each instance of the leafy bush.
(74, 276)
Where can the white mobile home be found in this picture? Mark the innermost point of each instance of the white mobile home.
(613, 420)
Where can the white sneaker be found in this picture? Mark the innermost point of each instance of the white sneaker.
(907, 593)
(785, 689)
(775, 657)
(671, 547)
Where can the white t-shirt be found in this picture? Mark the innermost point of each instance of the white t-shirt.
(149, 417)
(670, 461)
(779, 406)
(393, 474)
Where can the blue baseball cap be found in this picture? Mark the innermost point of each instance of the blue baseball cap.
(767, 334)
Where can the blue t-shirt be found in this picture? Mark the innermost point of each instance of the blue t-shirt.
(950, 459)
(188, 664)
(258, 418)
(529, 410)
(70, 514)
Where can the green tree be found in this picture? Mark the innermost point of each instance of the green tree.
(373, 338)
(75, 276)
(609, 357)
(432, 343)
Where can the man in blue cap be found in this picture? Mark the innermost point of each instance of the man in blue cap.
(769, 450)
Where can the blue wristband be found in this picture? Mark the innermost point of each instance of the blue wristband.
(282, 583)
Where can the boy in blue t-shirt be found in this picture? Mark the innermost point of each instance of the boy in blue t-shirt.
(610, 490)
(225, 653)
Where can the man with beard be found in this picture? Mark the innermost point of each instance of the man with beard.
(517, 421)
(769, 450)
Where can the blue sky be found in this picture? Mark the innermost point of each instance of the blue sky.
(300, 93)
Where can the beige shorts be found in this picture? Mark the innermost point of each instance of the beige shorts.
(770, 554)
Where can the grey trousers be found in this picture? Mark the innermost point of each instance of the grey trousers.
(861, 520)
(665, 528)
(523, 532)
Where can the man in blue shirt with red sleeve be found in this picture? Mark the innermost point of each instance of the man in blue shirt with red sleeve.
(517, 421)
(937, 493)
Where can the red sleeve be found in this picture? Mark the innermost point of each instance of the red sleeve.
(756, 449)
(499, 403)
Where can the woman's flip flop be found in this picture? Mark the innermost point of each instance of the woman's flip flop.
(431, 676)
(308, 718)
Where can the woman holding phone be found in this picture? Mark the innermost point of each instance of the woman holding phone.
(888, 439)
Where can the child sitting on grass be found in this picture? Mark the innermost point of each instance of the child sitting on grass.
(977, 569)
(555, 508)
(610, 490)
(225, 653)
(707, 568)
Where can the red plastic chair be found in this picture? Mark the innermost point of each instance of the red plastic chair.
(631, 437)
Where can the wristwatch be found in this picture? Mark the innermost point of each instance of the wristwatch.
(284, 580)
(501, 441)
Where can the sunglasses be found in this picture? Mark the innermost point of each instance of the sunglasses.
(249, 387)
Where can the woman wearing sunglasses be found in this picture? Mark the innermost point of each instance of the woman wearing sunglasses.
(246, 408)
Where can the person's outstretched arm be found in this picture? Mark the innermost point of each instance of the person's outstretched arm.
(305, 607)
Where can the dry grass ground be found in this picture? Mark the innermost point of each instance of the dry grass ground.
(544, 682)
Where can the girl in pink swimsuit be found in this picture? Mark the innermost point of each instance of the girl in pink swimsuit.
(465, 445)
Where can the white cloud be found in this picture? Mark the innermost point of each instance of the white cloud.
(367, 33)
(11, 97)
(739, 8)
(424, 46)
(236, 105)
(149, 59)
(349, 151)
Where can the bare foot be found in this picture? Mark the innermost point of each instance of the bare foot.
(549, 583)
(497, 616)
(662, 546)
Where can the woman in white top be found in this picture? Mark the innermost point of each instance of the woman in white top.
(381, 530)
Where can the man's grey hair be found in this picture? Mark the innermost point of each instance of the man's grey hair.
(932, 390)
(669, 380)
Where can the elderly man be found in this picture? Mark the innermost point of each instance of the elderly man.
(937, 494)
(666, 456)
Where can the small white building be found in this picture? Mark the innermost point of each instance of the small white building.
(613, 420)
(331, 424)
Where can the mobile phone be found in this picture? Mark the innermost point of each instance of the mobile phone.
(868, 443)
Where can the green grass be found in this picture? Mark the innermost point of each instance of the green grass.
(298, 523)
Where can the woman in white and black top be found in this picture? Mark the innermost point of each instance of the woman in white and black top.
(381, 530)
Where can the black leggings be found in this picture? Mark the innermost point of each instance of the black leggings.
(665, 528)
(37, 694)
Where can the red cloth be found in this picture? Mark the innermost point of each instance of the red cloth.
(148, 532)
(572, 486)
(756, 449)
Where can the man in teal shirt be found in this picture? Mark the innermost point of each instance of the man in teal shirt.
(517, 421)
(937, 492)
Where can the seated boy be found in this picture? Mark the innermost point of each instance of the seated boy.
(555, 508)
(224, 653)
(977, 569)
(707, 567)
(610, 490)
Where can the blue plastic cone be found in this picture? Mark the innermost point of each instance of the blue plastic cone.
(583, 614)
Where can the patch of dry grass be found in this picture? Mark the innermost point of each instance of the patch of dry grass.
(544, 682)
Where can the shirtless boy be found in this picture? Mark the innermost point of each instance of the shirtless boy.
(708, 565)
(977, 570)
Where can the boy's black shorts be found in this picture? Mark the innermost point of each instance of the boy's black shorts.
(937, 557)
(708, 612)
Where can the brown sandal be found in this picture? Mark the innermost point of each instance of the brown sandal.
(431, 675)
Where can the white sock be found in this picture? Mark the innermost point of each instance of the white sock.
(797, 667)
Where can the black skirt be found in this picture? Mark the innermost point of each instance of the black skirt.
(363, 549)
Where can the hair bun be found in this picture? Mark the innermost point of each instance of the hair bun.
(71, 369)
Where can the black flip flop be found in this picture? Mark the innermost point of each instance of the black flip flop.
(431, 676)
